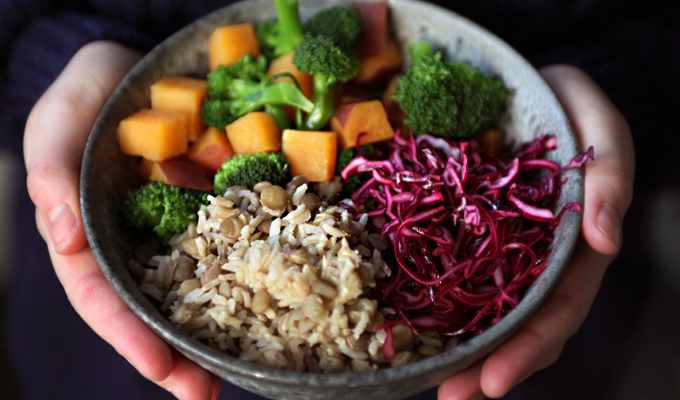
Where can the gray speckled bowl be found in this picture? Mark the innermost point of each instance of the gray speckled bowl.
(107, 175)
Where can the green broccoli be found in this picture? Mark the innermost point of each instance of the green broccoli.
(328, 63)
(447, 98)
(243, 87)
(280, 36)
(165, 209)
(353, 182)
(341, 24)
(249, 169)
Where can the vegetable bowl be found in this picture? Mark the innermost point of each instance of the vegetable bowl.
(531, 112)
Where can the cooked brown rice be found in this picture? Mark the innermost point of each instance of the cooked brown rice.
(283, 289)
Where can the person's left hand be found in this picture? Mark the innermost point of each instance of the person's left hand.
(56, 133)
(608, 193)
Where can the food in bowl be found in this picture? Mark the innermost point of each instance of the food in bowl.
(310, 257)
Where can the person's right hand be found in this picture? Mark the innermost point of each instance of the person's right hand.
(56, 133)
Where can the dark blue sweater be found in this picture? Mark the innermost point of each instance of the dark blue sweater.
(630, 47)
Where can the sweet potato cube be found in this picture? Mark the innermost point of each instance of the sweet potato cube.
(285, 64)
(181, 93)
(380, 67)
(493, 139)
(229, 43)
(255, 132)
(394, 112)
(367, 119)
(349, 93)
(310, 153)
(176, 171)
(374, 35)
(153, 134)
(211, 150)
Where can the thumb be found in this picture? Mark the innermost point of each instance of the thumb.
(56, 132)
(609, 178)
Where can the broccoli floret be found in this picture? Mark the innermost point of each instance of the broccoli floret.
(328, 63)
(249, 169)
(353, 182)
(341, 24)
(244, 87)
(280, 36)
(246, 69)
(165, 209)
(447, 98)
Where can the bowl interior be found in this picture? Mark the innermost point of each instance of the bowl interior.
(107, 174)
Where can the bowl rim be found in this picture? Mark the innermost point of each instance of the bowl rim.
(463, 355)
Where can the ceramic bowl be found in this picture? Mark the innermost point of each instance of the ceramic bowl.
(107, 174)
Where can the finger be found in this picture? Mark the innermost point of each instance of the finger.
(462, 386)
(217, 387)
(95, 300)
(56, 132)
(608, 179)
(539, 343)
(187, 381)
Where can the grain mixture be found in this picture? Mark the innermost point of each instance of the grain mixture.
(279, 278)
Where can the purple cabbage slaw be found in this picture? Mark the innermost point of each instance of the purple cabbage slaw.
(470, 232)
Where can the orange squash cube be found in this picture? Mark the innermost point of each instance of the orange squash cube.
(367, 118)
(255, 132)
(380, 67)
(310, 153)
(285, 64)
(153, 134)
(211, 150)
(181, 93)
(228, 44)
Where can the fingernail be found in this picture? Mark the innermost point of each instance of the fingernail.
(609, 223)
(62, 222)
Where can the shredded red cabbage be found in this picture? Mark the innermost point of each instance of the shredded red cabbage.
(469, 232)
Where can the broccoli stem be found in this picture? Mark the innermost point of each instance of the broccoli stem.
(289, 23)
(285, 93)
(324, 103)
(279, 115)
(271, 94)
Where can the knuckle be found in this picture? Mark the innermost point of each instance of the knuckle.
(39, 179)
(613, 183)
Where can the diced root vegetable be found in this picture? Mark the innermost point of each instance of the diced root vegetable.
(367, 119)
(176, 171)
(380, 67)
(228, 44)
(181, 93)
(493, 138)
(285, 64)
(394, 112)
(310, 153)
(255, 132)
(184, 94)
(211, 150)
(349, 93)
(153, 134)
(374, 35)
